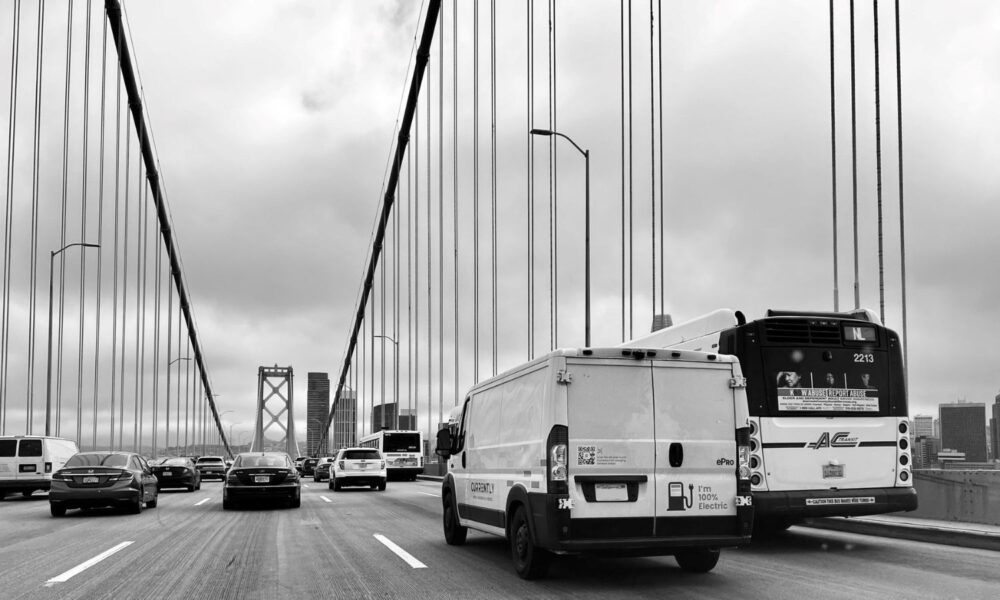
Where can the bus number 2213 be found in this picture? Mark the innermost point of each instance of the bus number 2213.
(864, 358)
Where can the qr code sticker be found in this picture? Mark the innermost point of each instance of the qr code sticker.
(585, 455)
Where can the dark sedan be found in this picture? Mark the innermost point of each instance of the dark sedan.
(98, 479)
(211, 466)
(177, 472)
(308, 467)
(261, 476)
(322, 470)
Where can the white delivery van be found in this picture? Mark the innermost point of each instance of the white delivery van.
(27, 462)
(626, 452)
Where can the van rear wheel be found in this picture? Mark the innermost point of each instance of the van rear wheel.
(454, 533)
(530, 561)
(698, 560)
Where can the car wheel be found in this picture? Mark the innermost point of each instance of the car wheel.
(152, 503)
(296, 503)
(137, 506)
(198, 486)
(698, 560)
(316, 479)
(57, 510)
(530, 561)
(381, 486)
(28, 493)
(227, 504)
(454, 533)
(336, 485)
(190, 488)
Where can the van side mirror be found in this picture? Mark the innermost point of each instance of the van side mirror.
(444, 443)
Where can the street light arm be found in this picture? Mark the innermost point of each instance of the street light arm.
(547, 132)
(387, 338)
(67, 246)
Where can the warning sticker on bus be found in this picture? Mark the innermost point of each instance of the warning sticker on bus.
(827, 399)
(828, 501)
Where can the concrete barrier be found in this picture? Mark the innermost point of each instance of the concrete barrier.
(951, 495)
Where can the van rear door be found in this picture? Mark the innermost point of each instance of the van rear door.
(696, 456)
(610, 418)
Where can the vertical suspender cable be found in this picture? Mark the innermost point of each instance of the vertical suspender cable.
(659, 42)
(187, 394)
(8, 220)
(878, 171)
(553, 210)
(652, 150)
(395, 311)
(454, 168)
(156, 346)
(124, 313)
(170, 348)
(833, 161)
(854, 164)
(35, 168)
(83, 227)
(139, 261)
(631, 210)
(475, 191)
(902, 228)
(114, 273)
(440, 83)
(141, 324)
(100, 230)
(621, 38)
(62, 238)
(410, 365)
(382, 297)
(430, 262)
(493, 175)
(531, 180)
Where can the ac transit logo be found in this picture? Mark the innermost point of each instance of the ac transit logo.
(841, 439)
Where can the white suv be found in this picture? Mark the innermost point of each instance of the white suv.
(358, 466)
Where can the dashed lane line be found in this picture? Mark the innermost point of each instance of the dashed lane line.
(85, 565)
(406, 556)
(325, 499)
(202, 501)
(430, 494)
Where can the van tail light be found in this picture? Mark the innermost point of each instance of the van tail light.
(558, 467)
(743, 453)
(48, 467)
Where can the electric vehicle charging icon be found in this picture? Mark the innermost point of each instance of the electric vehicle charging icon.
(676, 500)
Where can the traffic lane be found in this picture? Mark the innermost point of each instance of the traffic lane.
(805, 562)
(54, 546)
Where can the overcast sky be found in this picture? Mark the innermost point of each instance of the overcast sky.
(274, 122)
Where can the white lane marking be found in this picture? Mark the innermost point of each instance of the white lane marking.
(430, 494)
(416, 564)
(325, 499)
(86, 565)
(202, 501)
(305, 485)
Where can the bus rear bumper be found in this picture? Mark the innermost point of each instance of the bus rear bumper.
(830, 503)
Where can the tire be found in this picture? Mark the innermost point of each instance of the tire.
(190, 488)
(296, 503)
(698, 560)
(381, 486)
(57, 510)
(136, 507)
(198, 486)
(454, 533)
(228, 504)
(152, 503)
(530, 561)
(335, 485)
(330, 485)
(316, 479)
(770, 527)
(27, 493)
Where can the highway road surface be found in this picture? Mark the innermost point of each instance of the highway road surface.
(359, 543)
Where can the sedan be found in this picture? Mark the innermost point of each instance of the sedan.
(97, 479)
(211, 466)
(358, 466)
(308, 467)
(259, 476)
(322, 470)
(177, 472)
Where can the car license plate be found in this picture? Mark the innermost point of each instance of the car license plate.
(167, 473)
(833, 471)
(91, 479)
(610, 492)
(261, 478)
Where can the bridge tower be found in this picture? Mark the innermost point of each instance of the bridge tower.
(276, 405)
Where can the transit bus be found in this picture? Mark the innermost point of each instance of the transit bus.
(403, 451)
(829, 433)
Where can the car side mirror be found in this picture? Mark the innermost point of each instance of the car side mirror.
(444, 443)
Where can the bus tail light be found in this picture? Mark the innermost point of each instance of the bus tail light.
(743, 454)
(903, 458)
(558, 467)
(756, 460)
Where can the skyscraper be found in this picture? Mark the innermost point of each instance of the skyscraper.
(345, 420)
(317, 411)
(995, 428)
(963, 428)
(923, 426)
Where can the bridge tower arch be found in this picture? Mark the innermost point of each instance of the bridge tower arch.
(274, 410)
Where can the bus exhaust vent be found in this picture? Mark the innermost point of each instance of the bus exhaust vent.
(799, 332)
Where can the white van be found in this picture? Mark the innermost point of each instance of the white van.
(27, 462)
(626, 452)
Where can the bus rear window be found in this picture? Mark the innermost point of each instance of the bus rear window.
(401, 442)
(828, 382)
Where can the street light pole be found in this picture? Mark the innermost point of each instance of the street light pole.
(395, 395)
(586, 235)
(48, 368)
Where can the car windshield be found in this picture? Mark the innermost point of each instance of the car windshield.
(260, 461)
(361, 454)
(175, 462)
(210, 459)
(96, 459)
